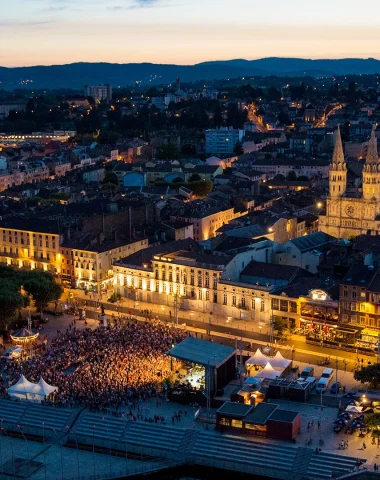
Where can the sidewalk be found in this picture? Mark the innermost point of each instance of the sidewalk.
(246, 330)
(184, 316)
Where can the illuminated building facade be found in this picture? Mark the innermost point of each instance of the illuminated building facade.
(349, 215)
(33, 247)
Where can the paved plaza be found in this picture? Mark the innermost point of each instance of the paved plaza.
(91, 463)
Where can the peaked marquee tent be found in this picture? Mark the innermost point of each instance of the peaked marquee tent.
(279, 361)
(22, 388)
(26, 390)
(258, 358)
(269, 372)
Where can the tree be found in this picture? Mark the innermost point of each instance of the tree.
(372, 419)
(218, 117)
(279, 325)
(273, 94)
(195, 178)
(238, 149)
(189, 150)
(10, 301)
(345, 132)
(42, 287)
(235, 116)
(109, 186)
(177, 180)
(291, 175)
(201, 189)
(167, 152)
(106, 137)
(111, 177)
(370, 374)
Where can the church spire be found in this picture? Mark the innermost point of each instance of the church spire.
(372, 155)
(338, 155)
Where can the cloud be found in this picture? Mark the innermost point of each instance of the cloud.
(30, 23)
(137, 4)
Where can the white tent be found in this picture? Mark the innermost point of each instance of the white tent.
(30, 391)
(258, 358)
(354, 409)
(269, 372)
(279, 361)
(23, 389)
(44, 388)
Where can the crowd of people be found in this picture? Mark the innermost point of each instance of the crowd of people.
(103, 368)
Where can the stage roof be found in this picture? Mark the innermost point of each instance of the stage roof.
(202, 352)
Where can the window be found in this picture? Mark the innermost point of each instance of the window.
(234, 300)
(293, 307)
(283, 305)
(215, 298)
(275, 304)
(243, 302)
(207, 295)
(200, 294)
(253, 303)
(207, 280)
(225, 299)
(192, 279)
(236, 423)
(199, 280)
(262, 305)
(214, 282)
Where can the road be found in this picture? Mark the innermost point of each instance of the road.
(256, 119)
(251, 340)
(322, 122)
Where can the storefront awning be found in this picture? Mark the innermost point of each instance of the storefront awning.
(370, 333)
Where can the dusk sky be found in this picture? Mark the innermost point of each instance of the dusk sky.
(185, 31)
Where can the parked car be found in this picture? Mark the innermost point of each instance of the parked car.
(336, 387)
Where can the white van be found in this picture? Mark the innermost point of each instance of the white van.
(322, 384)
(327, 373)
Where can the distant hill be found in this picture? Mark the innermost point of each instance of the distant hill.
(76, 75)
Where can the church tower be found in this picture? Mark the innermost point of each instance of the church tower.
(371, 170)
(338, 169)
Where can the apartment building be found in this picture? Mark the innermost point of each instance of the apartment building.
(222, 141)
(206, 220)
(87, 261)
(192, 281)
(31, 244)
(99, 92)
